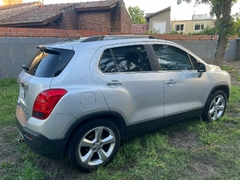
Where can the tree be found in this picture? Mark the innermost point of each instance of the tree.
(237, 25)
(224, 23)
(137, 15)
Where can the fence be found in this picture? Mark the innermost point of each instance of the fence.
(18, 45)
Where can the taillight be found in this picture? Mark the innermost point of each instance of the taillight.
(46, 101)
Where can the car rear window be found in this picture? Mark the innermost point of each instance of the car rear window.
(49, 62)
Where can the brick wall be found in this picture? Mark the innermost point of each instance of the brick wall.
(53, 25)
(47, 32)
(116, 19)
(95, 21)
(121, 20)
(40, 32)
(140, 28)
(126, 22)
(69, 18)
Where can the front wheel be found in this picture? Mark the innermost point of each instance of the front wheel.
(215, 106)
(95, 143)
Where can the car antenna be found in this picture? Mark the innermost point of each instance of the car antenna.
(61, 25)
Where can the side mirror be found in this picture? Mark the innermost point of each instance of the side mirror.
(201, 67)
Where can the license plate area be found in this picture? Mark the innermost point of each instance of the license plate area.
(23, 88)
(22, 92)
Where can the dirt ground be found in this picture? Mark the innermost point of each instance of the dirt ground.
(9, 149)
(234, 72)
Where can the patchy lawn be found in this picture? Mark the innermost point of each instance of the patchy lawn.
(190, 149)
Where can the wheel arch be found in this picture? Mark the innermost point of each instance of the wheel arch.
(115, 117)
(224, 88)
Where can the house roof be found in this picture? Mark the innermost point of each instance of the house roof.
(149, 15)
(38, 14)
(11, 10)
(5, 7)
(96, 5)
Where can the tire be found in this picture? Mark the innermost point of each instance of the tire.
(215, 107)
(94, 144)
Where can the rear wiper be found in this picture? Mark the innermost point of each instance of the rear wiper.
(25, 67)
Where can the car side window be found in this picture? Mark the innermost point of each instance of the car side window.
(172, 58)
(106, 63)
(125, 59)
(194, 62)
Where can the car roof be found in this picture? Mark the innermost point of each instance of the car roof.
(97, 41)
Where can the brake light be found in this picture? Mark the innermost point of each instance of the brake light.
(46, 101)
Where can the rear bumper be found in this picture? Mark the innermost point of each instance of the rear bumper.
(53, 149)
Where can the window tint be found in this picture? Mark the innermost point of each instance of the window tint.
(107, 63)
(124, 59)
(49, 63)
(172, 58)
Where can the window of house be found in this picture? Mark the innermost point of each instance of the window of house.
(179, 27)
(199, 26)
(172, 58)
(124, 59)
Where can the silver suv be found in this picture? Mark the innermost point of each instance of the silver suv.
(82, 98)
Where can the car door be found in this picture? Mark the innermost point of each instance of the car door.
(184, 87)
(127, 82)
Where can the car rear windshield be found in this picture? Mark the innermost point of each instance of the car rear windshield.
(49, 62)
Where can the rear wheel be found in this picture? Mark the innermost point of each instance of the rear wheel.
(215, 106)
(93, 144)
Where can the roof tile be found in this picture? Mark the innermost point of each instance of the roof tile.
(158, 12)
(96, 4)
(6, 7)
(34, 14)
(11, 10)
(38, 13)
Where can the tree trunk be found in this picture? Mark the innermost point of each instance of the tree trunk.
(222, 46)
(225, 25)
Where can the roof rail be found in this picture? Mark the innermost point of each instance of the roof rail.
(111, 37)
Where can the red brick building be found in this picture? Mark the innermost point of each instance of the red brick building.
(102, 16)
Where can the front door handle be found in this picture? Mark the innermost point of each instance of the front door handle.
(171, 81)
(114, 83)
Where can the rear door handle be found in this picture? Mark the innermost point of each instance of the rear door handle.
(114, 83)
(171, 81)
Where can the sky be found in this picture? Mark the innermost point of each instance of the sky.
(178, 12)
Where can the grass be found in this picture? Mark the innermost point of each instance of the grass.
(190, 149)
(8, 101)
